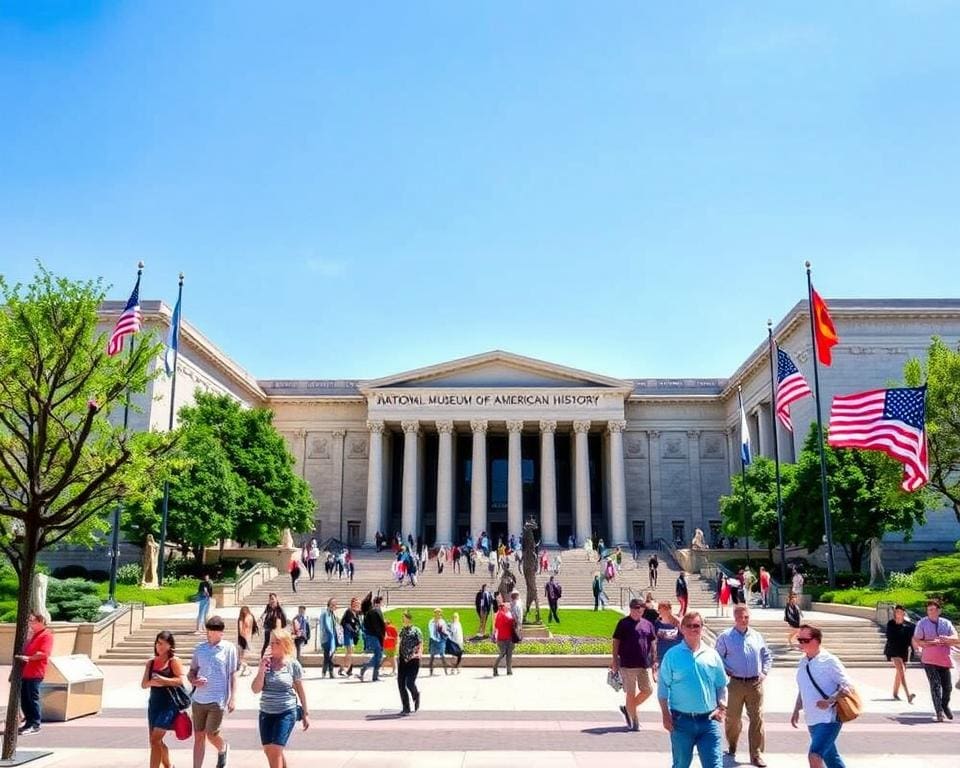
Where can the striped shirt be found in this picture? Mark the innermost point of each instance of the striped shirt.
(217, 663)
(278, 694)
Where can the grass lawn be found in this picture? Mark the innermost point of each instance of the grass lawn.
(574, 622)
(912, 599)
(175, 592)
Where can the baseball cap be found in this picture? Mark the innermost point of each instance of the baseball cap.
(636, 603)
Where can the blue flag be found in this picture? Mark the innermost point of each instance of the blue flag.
(744, 434)
(173, 341)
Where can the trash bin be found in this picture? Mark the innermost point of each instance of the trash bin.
(73, 687)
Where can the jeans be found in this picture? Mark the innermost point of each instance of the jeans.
(506, 651)
(373, 644)
(939, 679)
(407, 681)
(700, 731)
(327, 660)
(30, 701)
(553, 612)
(203, 608)
(276, 729)
(823, 742)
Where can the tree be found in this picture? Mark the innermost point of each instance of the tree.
(62, 462)
(941, 372)
(866, 500)
(758, 517)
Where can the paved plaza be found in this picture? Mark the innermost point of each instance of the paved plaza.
(537, 717)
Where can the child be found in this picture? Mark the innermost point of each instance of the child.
(389, 648)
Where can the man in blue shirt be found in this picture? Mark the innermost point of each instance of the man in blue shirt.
(747, 661)
(693, 696)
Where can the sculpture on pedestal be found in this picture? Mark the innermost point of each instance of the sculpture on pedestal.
(286, 539)
(150, 553)
(877, 573)
(698, 542)
(530, 566)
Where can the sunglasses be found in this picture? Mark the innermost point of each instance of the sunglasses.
(804, 640)
(693, 626)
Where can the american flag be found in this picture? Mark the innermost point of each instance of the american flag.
(888, 420)
(791, 386)
(128, 324)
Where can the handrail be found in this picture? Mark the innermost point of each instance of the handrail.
(631, 594)
(663, 544)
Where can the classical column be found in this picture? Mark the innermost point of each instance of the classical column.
(618, 485)
(764, 446)
(445, 483)
(478, 479)
(411, 472)
(514, 479)
(581, 476)
(696, 494)
(548, 484)
(340, 436)
(374, 484)
(656, 512)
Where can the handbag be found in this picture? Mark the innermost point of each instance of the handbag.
(453, 647)
(849, 705)
(181, 699)
(516, 633)
(182, 726)
(614, 680)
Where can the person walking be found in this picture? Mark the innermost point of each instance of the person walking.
(503, 629)
(819, 672)
(36, 653)
(692, 691)
(410, 649)
(390, 635)
(747, 661)
(764, 587)
(793, 617)
(313, 554)
(652, 565)
(553, 592)
(328, 637)
(682, 593)
(163, 674)
(667, 627)
(934, 636)
(634, 651)
(204, 594)
(273, 617)
(484, 604)
(455, 642)
(213, 675)
(350, 622)
(301, 629)
(279, 681)
(438, 633)
(796, 581)
(599, 596)
(373, 634)
(246, 628)
(294, 569)
(899, 636)
(441, 558)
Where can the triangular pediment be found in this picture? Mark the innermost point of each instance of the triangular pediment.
(497, 369)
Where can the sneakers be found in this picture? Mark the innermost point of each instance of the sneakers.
(28, 729)
(361, 673)
(623, 711)
(222, 756)
(947, 712)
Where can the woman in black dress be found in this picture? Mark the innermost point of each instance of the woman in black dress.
(897, 650)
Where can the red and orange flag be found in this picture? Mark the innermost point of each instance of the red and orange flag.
(825, 332)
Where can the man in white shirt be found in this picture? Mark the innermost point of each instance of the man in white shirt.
(213, 673)
(820, 677)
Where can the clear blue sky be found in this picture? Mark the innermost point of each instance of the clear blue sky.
(625, 187)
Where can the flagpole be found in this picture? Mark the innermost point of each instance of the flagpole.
(115, 538)
(743, 479)
(173, 400)
(776, 454)
(827, 527)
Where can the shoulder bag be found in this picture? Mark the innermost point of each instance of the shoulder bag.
(849, 705)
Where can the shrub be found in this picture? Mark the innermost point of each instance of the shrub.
(131, 573)
(938, 573)
(72, 600)
(900, 580)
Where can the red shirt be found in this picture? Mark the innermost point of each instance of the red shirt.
(41, 642)
(503, 625)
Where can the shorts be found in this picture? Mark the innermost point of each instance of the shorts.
(636, 677)
(276, 729)
(161, 714)
(349, 638)
(207, 717)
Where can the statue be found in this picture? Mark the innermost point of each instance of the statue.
(698, 542)
(530, 567)
(286, 539)
(150, 553)
(508, 581)
(39, 602)
(877, 574)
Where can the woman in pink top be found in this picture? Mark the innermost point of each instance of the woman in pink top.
(935, 636)
(764, 586)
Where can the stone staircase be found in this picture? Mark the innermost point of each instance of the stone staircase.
(138, 647)
(450, 588)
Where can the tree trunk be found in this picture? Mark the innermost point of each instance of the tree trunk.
(28, 567)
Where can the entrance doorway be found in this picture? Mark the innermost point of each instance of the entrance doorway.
(639, 533)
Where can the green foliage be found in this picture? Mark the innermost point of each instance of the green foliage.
(130, 573)
(552, 647)
(173, 593)
(900, 580)
(911, 599)
(941, 373)
(754, 513)
(574, 622)
(72, 600)
(866, 500)
(938, 573)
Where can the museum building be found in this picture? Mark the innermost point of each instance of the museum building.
(484, 442)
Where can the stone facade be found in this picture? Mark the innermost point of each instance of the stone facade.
(633, 459)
